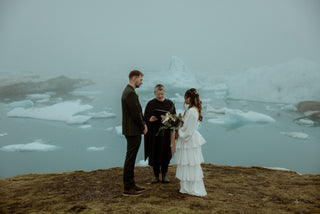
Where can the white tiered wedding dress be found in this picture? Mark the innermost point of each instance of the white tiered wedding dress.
(189, 156)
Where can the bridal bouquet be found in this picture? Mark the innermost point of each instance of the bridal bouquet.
(170, 121)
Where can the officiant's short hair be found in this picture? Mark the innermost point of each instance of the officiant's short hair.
(135, 73)
(159, 87)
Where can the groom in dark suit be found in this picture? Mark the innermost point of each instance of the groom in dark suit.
(133, 126)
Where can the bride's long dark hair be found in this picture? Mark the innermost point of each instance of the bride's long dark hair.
(195, 101)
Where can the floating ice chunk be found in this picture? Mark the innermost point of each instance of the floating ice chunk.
(109, 129)
(85, 126)
(289, 107)
(22, 104)
(3, 134)
(78, 119)
(37, 146)
(95, 149)
(299, 135)
(233, 118)
(43, 101)
(143, 163)
(118, 130)
(257, 117)
(102, 114)
(65, 111)
(38, 96)
(305, 122)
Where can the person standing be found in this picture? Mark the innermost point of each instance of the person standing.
(157, 145)
(189, 155)
(133, 126)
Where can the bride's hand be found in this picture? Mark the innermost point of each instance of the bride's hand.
(176, 134)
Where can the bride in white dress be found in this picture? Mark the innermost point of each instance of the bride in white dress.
(188, 148)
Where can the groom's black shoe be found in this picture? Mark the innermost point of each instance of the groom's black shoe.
(131, 192)
(139, 189)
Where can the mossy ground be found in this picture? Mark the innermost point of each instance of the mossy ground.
(230, 190)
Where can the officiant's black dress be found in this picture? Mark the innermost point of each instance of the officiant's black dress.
(157, 148)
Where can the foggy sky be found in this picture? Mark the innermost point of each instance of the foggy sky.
(96, 35)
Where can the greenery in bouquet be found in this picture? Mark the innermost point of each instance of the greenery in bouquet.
(170, 121)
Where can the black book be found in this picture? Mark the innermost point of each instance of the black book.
(158, 113)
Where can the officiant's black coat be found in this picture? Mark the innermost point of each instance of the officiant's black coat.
(157, 148)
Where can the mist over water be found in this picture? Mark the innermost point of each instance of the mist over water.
(64, 64)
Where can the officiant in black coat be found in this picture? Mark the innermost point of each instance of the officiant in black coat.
(157, 147)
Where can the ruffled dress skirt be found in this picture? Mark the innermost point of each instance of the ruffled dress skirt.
(189, 172)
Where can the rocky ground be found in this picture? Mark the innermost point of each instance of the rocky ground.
(230, 190)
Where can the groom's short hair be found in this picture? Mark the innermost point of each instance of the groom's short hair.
(135, 73)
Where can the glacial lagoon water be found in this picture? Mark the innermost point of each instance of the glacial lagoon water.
(38, 136)
(99, 145)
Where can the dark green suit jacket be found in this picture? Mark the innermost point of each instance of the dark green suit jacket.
(132, 120)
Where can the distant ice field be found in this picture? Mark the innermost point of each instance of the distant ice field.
(249, 120)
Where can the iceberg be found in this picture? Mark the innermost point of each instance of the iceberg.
(38, 96)
(85, 126)
(177, 75)
(95, 149)
(143, 163)
(21, 104)
(109, 129)
(36, 146)
(288, 82)
(65, 111)
(3, 134)
(102, 114)
(298, 135)
(118, 130)
(233, 118)
(305, 122)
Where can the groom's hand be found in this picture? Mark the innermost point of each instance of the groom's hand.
(145, 130)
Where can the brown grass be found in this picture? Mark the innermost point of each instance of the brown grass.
(230, 190)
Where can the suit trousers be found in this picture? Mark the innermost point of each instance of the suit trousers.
(156, 169)
(133, 144)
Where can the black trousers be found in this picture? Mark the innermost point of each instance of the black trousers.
(156, 168)
(133, 144)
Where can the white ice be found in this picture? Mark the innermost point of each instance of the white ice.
(109, 129)
(3, 134)
(38, 96)
(143, 163)
(102, 114)
(298, 135)
(21, 104)
(36, 146)
(85, 126)
(305, 122)
(289, 82)
(233, 118)
(118, 130)
(95, 149)
(65, 111)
